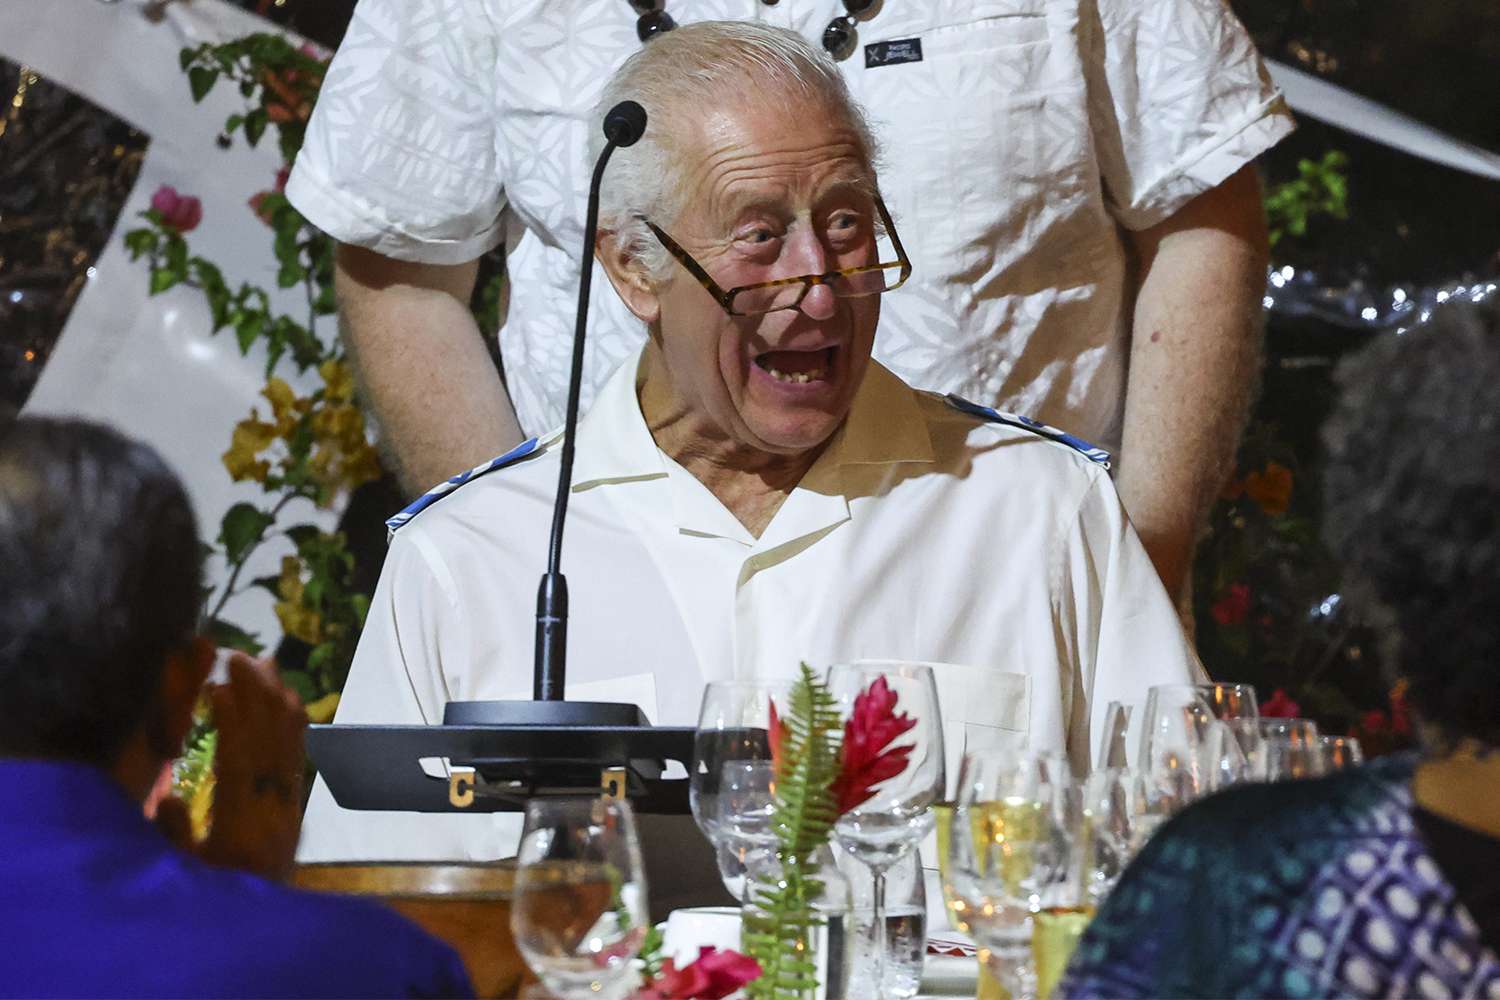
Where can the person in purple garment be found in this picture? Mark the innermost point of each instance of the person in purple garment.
(100, 667)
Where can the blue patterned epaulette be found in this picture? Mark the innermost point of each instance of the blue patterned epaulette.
(442, 489)
(1091, 452)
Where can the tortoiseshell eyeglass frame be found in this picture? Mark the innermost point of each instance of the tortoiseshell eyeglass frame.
(726, 299)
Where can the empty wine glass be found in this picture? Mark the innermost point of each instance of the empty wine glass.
(896, 814)
(747, 810)
(579, 911)
(1340, 752)
(1116, 823)
(733, 726)
(1292, 748)
(1118, 738)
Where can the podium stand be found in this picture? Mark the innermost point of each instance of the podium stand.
(468, 766)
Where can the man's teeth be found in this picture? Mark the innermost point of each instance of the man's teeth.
(817, 374)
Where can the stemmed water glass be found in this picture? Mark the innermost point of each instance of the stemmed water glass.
(733, 727)
(1292, 748)
(882, 829)
(579, 911)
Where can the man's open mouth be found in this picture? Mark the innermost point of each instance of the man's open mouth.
(797, 366)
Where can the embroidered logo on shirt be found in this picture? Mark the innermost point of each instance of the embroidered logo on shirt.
(900, 50)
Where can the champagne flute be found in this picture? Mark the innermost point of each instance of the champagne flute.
(733, 726)
(579, 912)
(887, 825)
(1014, 857)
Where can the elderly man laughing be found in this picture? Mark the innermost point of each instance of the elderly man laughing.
(751, 490)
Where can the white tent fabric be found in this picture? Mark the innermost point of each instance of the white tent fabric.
(146, 364)
(1345, 109)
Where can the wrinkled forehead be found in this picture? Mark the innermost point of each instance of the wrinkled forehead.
(768, 153)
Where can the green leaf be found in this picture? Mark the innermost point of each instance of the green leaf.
(202, 80)
(242, 529)
(301, 683)
(361, 603)
(185, 58)
(248, 328)
(163, 278)
(140, 241)
(303, 535)
(290, 274)
(230, 635)
(233, 122)
(255, 125)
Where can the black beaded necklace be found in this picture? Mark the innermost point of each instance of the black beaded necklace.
(838, 37)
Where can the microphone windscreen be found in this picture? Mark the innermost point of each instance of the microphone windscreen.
(625, 123)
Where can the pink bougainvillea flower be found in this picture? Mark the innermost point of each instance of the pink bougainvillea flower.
(868, 758)
(1233, 607)
(180, 211)
(1280, 706)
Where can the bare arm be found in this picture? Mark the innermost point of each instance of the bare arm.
(1194, 361)
(422, 365)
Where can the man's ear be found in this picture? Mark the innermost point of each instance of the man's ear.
(182, 680)
(629, 278)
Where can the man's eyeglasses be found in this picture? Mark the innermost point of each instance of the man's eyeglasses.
(788, 293)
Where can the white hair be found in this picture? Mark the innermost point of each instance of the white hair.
(674, 76)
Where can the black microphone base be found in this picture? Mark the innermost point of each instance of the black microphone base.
(569, 714)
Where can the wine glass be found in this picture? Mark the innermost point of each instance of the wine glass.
(747, 811)
(1340, 752)
(733, 725)
(1013, 853)
(895, 814)
(579, 911)
(1292, 748)
(1116, 824)
(1114, 747)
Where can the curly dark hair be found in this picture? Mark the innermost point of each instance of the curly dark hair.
(1411, 495)
(99, 581)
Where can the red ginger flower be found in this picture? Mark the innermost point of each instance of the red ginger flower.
(868, 758)
(1280, 706)
(713, 975)
(774, 732)
(1233, 607)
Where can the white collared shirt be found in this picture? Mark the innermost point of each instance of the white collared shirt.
(921, 533)
(1015, 149)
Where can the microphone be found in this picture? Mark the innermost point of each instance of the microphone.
(623, 126)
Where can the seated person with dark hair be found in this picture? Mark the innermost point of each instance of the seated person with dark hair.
(100, 668)
(1383, 880)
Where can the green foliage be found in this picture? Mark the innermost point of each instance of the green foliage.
(778, 930)
(1320, 188)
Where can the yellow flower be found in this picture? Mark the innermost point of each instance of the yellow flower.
(1271, 489)
(200, 806)
(300, 622)
(322, 710)
(339, 379)
(251, 437)
(289, 584)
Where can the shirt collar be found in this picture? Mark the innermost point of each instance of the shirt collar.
(884, 426)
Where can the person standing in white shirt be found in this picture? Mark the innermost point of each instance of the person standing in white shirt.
(1073, 180)
(751, 490)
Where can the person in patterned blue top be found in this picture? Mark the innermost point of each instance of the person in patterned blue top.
(100, 667)
(1383, 881)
